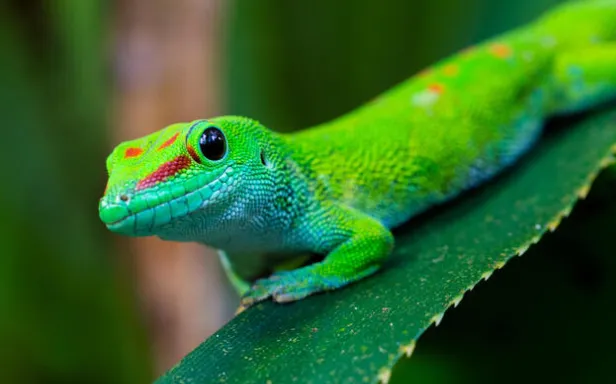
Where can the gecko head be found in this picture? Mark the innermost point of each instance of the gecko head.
(163, 183)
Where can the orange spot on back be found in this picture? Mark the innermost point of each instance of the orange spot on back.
(436, 88)
(500, 50)
(132, 152)
(451, 70)
(169, 141)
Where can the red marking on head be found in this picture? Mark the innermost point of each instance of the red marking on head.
(193, 154)
(436, 88)
(451, 70)
(132, 152)
(165, 171)
(502, 51)
(169, 141)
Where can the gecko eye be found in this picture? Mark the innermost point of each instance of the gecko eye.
(212, 144)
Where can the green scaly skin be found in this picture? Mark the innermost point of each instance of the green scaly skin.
(336, 190)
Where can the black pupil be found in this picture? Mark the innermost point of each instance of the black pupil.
(212, 144)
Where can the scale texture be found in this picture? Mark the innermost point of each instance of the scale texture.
(297, 214)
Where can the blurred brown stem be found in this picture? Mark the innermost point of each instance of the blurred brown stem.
(168, 62)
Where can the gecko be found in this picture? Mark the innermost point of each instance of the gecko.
(294, 214)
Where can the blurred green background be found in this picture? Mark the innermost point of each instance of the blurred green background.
(71, 307)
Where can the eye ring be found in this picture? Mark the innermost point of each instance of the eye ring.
(213, 144)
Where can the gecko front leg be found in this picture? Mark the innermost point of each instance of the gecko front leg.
(355, 246)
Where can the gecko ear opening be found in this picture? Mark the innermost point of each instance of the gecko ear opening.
(264, 160)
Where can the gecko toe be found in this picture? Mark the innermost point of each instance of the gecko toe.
(288, 286)
(287, 297)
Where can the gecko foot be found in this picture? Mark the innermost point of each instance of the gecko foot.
(287, 286)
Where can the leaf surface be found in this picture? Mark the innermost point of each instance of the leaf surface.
(357, 334)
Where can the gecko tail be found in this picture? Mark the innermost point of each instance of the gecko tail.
(580, 22)
(582, 34)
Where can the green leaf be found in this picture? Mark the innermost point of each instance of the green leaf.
(358, 333)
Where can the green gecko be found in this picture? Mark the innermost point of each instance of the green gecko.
(337, 189)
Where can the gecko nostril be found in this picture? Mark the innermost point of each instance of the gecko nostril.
(124, 198)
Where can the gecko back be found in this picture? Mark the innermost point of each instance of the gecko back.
(458, 123)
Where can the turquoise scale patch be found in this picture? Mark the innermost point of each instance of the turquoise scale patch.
(152, 198)
(163, 214)
(164, 194)
(206, 193)
(194, 200)
(139, 203)
(126, 226)
(193, 183)
(177, 190)
(144, 219)
(114, 213)
(179, 207)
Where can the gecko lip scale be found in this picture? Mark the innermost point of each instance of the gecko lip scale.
(143, 212)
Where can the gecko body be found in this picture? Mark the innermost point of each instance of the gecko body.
(337, 189)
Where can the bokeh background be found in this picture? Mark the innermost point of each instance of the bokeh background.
(81, 305)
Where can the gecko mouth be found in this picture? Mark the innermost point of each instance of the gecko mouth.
(143, 213)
